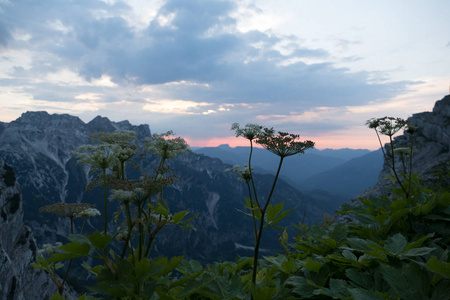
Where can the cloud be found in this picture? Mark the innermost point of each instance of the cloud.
(5, 35)
(190, 59)
(195, 41)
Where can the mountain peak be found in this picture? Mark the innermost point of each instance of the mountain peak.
(42, 119)
(100, 124)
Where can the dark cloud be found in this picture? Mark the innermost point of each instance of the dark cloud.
(198, 43)
(5, 35)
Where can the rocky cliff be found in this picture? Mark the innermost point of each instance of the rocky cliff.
(18, 279)
(431, 150)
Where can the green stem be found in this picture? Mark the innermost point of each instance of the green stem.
(410, 162)
(141, 229)
(130, 230)
(60, 290)
(105, 201)
(252, 209)
(251, 175)
(393, 168)
(261, 223)
(82, 226)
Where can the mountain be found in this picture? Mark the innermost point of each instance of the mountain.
(18, 249)
(39, 146)
(310, 163)
(349, 178)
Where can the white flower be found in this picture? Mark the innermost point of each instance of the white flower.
(89, 212)
(122, 195)
(243, 172)
(165, 146)
(402, 150)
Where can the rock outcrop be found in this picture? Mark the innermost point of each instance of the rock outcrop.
(431, 148)
(18, 249)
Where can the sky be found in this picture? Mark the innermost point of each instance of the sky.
(315, 68)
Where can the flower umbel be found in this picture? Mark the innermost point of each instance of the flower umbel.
(71, 210)
(386, 125)
(243, 172)
(124, 139)
(101, 156)
(89, 212)
(283, 144)
(250, 131)
(165, 146)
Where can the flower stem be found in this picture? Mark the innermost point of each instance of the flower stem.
(261, 224)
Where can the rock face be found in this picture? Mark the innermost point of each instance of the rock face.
(431, 147)
(18, 279)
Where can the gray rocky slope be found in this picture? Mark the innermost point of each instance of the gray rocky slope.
(18, 249)
(431, 148)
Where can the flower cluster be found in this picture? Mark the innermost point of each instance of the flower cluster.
(250, 131)
(243, 172)
(122, 195)
(49, 248)
(100, 156)
(387, 125)
(283, 144)
(89, 212)
(165, 146)
(71, 210)
(125, 140)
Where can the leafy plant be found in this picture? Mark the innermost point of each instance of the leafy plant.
(283, 145)
(142, 207)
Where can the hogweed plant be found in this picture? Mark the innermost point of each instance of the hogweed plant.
(389, 126)
(283, 145)
(141, 207)
(71, 211)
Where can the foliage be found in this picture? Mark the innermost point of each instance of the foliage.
(396, 248)
(389, 126)
(265, 214)
(142, 214)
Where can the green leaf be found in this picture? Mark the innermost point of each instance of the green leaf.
(288, 266)
(142, 269)
(362, 294)
(441, 291)
(437, 266)
(69, 251)
(161, 209)
(396, 215)
(178, 216)
(99, 241)
(313, 265)
(349, 255)
(279, 218)
(359, 244)
(302, 286)
(339, 232)
(395, 244)
(417, 251)
(274, 210)
(359, 278)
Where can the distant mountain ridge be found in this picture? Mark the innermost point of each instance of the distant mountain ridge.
(340, 173)
(308, 164)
